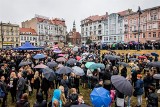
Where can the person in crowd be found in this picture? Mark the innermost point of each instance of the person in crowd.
(63, 98)
(148, 79)
(20, 86)
(100, 84)
(36, 81)
(124, 72)
(77, 83)
(57, 97)
(80, 100)
(40, 101)
(23, 102)
(73, 97)
(13, 85)
(45, 85)
(139, 85)
(65, 84)
(56, 103)
(4, 87)
(120, 102)
(134, 76)
(152, 99)
(72, 80)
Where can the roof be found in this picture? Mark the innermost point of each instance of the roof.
(125, 12)
(27, 31)
(96, 18)
(57, 21)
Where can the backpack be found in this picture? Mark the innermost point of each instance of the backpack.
(2, 93)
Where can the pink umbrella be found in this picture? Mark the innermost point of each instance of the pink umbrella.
(60, 65)
(78, 58)
(62, 55)
(40, 66)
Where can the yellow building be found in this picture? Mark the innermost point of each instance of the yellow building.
(10, 34)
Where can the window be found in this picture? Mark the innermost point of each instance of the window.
(16, 39)
(86, 29)
(154, 34)
(105, 38)
(90, 28)
(99, 32)
(12, 39)
(149, 34)
(131, 36)
(94, 32)
(25, 38)
(99, 27)
(94, 27)
(134, 36)
(30, 38)
(144, 35)
(21, 37)
(155, 17)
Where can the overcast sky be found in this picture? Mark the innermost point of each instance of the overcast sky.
(16, 11)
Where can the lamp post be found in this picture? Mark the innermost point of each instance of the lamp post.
(139, 13)
(2, 34)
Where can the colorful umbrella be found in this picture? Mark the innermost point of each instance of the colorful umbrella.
(97, 65)
(61, 59)
(142, 57)
(57, 51)
(88, 64)
(24, 63)
(78, 58)
(100, 97)
(40, 66)
(39, 56)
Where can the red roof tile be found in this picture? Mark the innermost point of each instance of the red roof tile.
(97, 18)
(27, 30)
(125, 12)
(57, 21)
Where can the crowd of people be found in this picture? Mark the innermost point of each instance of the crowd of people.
(22, 81)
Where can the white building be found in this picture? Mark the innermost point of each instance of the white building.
(93, 28)
(28, 34)
(49, 30)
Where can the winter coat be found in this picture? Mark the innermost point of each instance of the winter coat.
(22, 103)
(152, 100)
(37, 83)
(21, 84)
(139, 87)
(45, 84)
(147, 81)
(40, 102)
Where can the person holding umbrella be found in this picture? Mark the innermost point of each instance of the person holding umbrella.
(139, 89)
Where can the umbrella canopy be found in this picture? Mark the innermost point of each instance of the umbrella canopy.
(78, 71)
(100, 97)
(136, 54)
(71, 61)
(154, 64)
(154, 54)
(122, 85)
(52, 64)
(57, 51)
(61, 55)
(61, 59)
(80, 105)
(124, 64)
(78, 58)
(156, 76)
(85, 54)
(28, 46)
(40, 66)
(133, 59)
(64, 70)
(60, 65)
(112, 57)
(39, 56)
(24, 63)
(97, 65)
(75, 49)
(142, 57)
(49, 74)
(88, 64)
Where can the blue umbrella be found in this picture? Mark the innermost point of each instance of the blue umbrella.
(100, 97)
(24, 63)
(49, 74)
(97, 65)
(52, 64)
(154, 54)
(39, 56)
(64, 70)
(71, 61)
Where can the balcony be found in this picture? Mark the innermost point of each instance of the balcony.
(136, 31)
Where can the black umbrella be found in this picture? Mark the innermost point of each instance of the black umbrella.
(122, 85)
(49, 74)
(52, 64)
(80, 105)
(124, 64)
(154, 64)
(71, 61)
(154, 54)
(24, 63)
(156, 76)
(64, 70)
(133, 59)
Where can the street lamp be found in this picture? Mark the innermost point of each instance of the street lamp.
(2, 34)
(139, 13)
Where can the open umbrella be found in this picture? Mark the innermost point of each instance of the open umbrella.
(154, 64)
(61, 59)
(97, 65)
(39, 56)
(156, 76)
(78, 71)
(142, 57)
(52, 64)
(60, 65)
(24, 63)
(154, 54)
(75, 49)
(49, 74)
(78, 58)
(100, 97)
(40, 66)
(136, 54)
(133, 59)
(124, 64)
(71, 61)
(64, 70)
(61, 55)
(88, 64)
(122, 85)
(85, 54)
(57, 51)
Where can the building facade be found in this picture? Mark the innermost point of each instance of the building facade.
(9, 35)
(149, 25)
(93, 28)
(49, 30)
(73, 36)
(30, 35)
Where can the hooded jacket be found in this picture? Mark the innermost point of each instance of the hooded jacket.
(56, 96)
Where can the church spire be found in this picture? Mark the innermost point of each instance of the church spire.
(74, 26)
